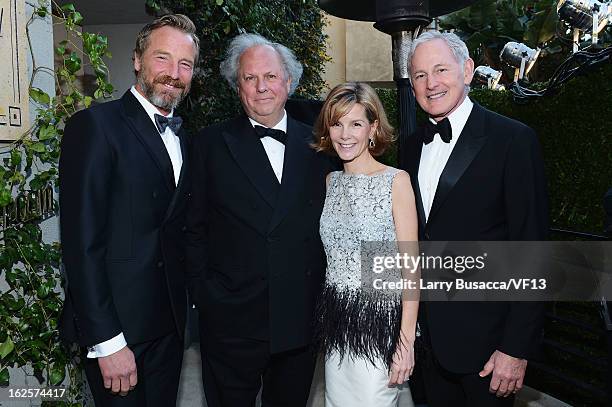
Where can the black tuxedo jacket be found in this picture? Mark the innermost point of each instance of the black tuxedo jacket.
(492, 188)
(122, 226)
(254, 252)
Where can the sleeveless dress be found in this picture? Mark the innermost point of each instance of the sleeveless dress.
(357, 329)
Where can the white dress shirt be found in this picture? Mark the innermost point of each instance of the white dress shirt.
(171, 140)
(275, 150)
(434, 155)
(173, 147)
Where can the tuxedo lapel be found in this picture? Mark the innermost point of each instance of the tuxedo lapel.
(248, 152)
(470, 142)
(294, 169)
(415, 147)
(147, 134)
(181, 182)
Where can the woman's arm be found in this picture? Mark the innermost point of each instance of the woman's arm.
(406, 230)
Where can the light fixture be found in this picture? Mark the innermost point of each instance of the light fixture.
(590, 16)
(520, 57)
(487, 76)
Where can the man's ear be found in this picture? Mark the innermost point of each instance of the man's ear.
(468, 71)
(137, 64)
(288, 84)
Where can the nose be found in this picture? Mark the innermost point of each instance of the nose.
(262, 86)
(174, 70)
(431, 82)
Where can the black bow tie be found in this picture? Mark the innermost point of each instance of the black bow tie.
(443, 127)
(276, 134)
(163, 122)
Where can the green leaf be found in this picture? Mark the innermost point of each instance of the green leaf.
(47, 132)
(6, 347)
(60, 50)
(39, 96)
(38, 147)
(15, 157)
(5, 197)
(77, 17)
(57, 374)
(68, 7)
(41, 12)
(4, 377)
(87, 101)
(219, 2)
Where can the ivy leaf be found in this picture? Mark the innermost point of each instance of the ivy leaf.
(68, 7)
(15, 157)
(39, 96)
(4, 377)
(47, 132)
(87, 101)
(219, 2)
(57, 374)
(41, 12)
(77, 17)
(6, 347)
(38, 147)
(5, 197)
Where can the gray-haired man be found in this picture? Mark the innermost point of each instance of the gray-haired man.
(254, 256)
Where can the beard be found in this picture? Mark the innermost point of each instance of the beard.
(164, 99)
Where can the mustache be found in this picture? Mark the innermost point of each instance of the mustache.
(168, 80)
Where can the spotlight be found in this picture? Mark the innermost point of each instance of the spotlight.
(585, 15)
(488, 77)
(519, 56)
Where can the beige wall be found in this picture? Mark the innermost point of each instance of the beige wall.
(359, 52)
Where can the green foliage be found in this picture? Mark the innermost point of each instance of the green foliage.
(574, 131)
(297, 24)
(31, 306)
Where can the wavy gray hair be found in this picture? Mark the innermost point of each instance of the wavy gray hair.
(456, 45)
(229, 67)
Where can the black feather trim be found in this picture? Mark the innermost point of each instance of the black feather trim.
(358, 323)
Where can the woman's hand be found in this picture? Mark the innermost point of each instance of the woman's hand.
(403, 361)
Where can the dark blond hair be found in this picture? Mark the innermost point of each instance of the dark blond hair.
(179, 21)
(339, 102)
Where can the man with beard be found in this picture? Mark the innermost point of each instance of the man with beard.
(123, 191)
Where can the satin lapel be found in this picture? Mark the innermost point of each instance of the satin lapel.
(470, 142)
(415, 147)
(294, 171)
(147, 134)
(181, 183)
(249, 154)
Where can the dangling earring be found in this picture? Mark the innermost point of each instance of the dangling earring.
(371, 144)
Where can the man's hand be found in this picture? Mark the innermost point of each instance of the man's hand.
(119, 371)
(508, 373)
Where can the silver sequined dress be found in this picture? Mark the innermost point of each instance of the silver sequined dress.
(351, 319)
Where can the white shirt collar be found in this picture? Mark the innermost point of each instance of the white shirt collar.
(148, 106)
(282, 125)
(459, 117)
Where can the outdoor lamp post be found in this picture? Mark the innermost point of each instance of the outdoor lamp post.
(403, 20)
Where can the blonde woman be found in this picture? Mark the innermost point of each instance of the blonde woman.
(368, 337)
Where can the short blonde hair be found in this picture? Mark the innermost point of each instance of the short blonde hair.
(339, 102)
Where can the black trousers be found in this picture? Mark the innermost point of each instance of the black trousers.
(444, 388)
(158, 365)
(234, 370)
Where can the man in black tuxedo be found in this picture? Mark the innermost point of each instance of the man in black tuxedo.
(123, 193)
(477, 176)
(254, 254)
